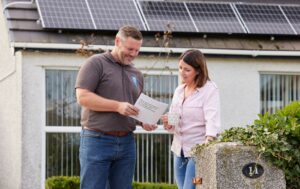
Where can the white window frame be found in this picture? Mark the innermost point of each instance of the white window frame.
(75, 129)
(273, 73)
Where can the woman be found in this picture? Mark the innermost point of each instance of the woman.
(196, 102)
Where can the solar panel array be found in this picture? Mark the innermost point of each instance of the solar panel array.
(293, 15)
(217, 18)
(159, 15)
(65, 14)
(89, 14)
(112, 14)
(264, 19)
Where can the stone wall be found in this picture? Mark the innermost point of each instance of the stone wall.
(234, 166)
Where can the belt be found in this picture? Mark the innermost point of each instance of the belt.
(112, 133)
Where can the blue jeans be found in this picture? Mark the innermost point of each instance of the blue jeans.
(184, 169)
(106, 160)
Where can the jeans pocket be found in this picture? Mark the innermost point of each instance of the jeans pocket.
(88, 138)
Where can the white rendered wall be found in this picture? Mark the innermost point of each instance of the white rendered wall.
(237, 78)
(10, 112)
(10, 125)
(34, 65)
(238, 81)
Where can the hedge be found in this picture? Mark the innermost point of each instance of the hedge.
(64, 182)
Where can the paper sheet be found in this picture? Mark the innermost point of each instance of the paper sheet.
(150, 109)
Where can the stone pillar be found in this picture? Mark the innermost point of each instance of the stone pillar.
(234, 166)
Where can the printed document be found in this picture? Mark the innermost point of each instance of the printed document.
(150, 109)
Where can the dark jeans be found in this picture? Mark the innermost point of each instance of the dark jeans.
(105, 158)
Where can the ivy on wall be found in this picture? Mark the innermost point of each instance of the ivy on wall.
(276, 136)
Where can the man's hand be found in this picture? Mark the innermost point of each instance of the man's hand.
(149, 127)
(127, 109)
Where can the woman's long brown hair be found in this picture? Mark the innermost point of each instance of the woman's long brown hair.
(196, 59)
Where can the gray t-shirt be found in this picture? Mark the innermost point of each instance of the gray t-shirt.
(104, 76)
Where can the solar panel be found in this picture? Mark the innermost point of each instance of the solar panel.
(264, 19)
(158, 15)
(112, 14)
(65, 14)
(293, 14)
(217, 18)
(162, 16)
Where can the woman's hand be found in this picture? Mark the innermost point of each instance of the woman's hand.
(209, 139)
(164, 119)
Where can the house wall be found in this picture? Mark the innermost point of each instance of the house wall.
(237, 78)
(238, 81)
(33, 114)
(10, 112)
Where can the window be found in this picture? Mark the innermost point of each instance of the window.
(154, 160)
(62, 111)
(276, 91)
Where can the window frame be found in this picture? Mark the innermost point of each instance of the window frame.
(271, 73)
(76, 129)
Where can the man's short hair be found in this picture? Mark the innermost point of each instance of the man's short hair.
(129, 31)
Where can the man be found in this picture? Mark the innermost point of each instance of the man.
(107, 86)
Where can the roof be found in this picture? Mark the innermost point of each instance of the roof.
(24, 26)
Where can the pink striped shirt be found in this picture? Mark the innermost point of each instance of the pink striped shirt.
(199, 117)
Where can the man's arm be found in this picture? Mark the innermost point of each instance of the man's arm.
(95, 102)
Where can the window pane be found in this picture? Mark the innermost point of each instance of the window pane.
(276, 91)
(154, 158)
(62, 154)
(62, 108)
(160, 87)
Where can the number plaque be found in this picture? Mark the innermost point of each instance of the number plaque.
(253, 170)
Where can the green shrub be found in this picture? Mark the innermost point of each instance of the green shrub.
(276, 136)
(63, 182)
(139, 185)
